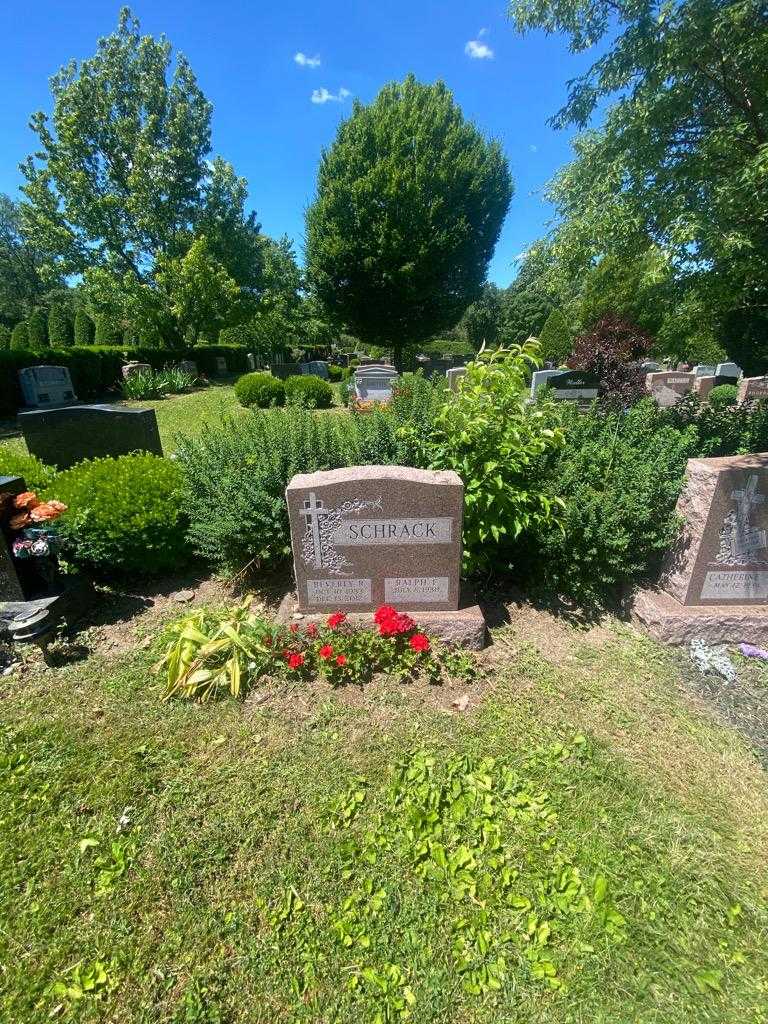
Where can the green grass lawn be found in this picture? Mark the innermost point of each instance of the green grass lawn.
(176, 414)
(584, 844)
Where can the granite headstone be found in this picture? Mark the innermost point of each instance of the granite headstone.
(669, 387)
(372, 535)
(454, 375)
(752, 388)
(374, 383)
(46, 386)
(62, 437)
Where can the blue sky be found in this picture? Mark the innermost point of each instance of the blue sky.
(265, 121)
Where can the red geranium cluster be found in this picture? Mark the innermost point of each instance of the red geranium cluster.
(391, 622)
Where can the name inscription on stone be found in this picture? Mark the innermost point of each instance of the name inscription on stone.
(371, 535)
(429, 589)
(728, 586)
(394, 531)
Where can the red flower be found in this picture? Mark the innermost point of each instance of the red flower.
(386, 611)
(396, 625)
(295, 660)
(336, 619)
(419, 642)
(312, 630)
(325, 651)
(294, 627)
(341, 660)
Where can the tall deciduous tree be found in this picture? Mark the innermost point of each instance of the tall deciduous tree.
(122, 183)
(681, 161)
(410, 201)
(21, 279)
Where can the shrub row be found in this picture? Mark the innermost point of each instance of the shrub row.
(265, 391)
(95, 369)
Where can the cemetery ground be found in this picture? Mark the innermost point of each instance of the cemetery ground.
(266, 861)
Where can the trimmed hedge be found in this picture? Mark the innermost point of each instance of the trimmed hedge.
(260, 389)
(96, 368)
(308, 392)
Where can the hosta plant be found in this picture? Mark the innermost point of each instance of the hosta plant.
(209, 653)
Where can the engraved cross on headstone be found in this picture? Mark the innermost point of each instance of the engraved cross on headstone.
(749, 539)
(311, 511)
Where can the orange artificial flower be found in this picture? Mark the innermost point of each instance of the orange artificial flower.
(20, 520)
(47, 510)
(26, 500)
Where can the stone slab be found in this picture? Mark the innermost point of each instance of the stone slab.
(370, 535)
(670, 386)
(674, 623)
(465, 627)
(62, 437)
(46, 386)
(721, 555)
(752, 388)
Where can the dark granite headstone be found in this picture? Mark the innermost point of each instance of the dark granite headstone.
(62, 437)
(11, 588)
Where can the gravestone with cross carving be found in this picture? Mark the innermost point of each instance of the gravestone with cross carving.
(373, 535)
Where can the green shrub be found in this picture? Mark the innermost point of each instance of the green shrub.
(37, 331)
(106, 330)
(146, 384)
(84, 329)
(727, 430)
(236, 475)
(619, 476)
(308, 392)
(20, 337)
(495, 440)
(5, 337)
(37, 476)
(335, 373)
(260, 389)
(556, 338)
(59, 327)
(723, 395)
(123, 514)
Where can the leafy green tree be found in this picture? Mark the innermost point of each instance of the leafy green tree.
(410, 201)
(122, 186)
(640, 290)
(556, 338)
(106, 330)
(84, 329)
(483, 321)
(201, 292)
(21, 273)
(59, 327)
(680, 161)
(5, 337)
(37, 331)
(20, 336)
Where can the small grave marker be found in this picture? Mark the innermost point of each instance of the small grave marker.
(454, 375)
(752, 388)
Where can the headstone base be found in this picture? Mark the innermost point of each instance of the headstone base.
(463, 628)
(673, 623)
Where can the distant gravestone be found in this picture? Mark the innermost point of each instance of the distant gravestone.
(315, 368)
(373, 535)
(250, 362)
(649, 366)
(752, 388)
(221, 366)
(729, 370)
(454, 375)
(703, 385)
(705, 370)
(571, 385)
(45, 386)
(188, 366)
(131, 369)
(62, 437)
(375, 383)
(541, 377)
(669, 387)
(284, 370)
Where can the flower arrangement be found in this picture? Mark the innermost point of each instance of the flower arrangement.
(207, 653)
(31, 518)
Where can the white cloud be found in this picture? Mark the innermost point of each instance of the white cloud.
(323, 95)
(307, 62)
(533, 149)
(478, 50)
(482, 32)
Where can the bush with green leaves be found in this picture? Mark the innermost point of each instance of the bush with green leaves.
(59, 327)
(20, 337)
(308, 392)
(37, 476)
(260, 389)
(724, 430)
(37, 331)
(123, 514)
(723, 395)
(84, 329)
(618, 475)
(5, 337)
(236, 474)
(495, 439)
